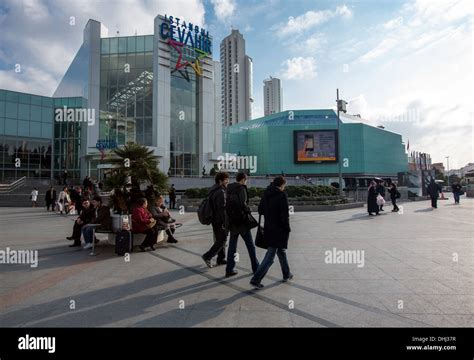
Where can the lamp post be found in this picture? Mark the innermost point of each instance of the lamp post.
(341, 106)
(447, 160)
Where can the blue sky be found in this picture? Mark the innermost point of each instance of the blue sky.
(406, 65)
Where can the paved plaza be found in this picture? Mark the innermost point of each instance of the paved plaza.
(417, 272)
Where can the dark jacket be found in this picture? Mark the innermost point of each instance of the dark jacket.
(434, 189)
(372, 200)
(217, 197)
(238, 192)
(50, 196)
(274, 207)
(102, 217)
(393, 193)
(456, 188)
(380, 189)
(162, 218)
(87, 215)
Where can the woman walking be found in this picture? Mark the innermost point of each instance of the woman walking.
(274, 208)
(372, 206)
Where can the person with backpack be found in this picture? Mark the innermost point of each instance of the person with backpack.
(394, 195)
(213, 210)
(275, 210)
(240, 223)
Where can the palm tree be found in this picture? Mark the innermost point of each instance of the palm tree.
(138, 164)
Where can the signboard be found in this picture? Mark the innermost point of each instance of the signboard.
(318, 146)
(179, 34)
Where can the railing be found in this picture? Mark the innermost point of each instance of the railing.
(8, 188)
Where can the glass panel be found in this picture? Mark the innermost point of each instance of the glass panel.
(149, 43)
(2, 108)
(11, 127)
(131, 44)
(47, 114)
(149, 60)
(24, 98)
(113, 62)
(113, 45)
(11, 96)
(105, 46)
(35, 129)
(2, 94)
(35, 100)
(23, 128)
(140, 44)
(122, 45)
(47, 101)
(47, 130)
(35, 113)
(24, 112)
(104, 63)
(11, 110)
(2, 130)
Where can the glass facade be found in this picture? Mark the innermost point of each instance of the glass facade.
(126, 90)
(184, 120)
(27, 134)
(26, 130)
(67, 140)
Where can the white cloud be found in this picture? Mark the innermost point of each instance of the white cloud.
(299, 68)
(381, 49)
(310, 19)
(394, 23)
(223, 9)
(38, 36)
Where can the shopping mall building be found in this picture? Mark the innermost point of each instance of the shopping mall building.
(306, 143)
(163, 91)
(160, 90)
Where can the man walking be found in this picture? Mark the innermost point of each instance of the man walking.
(457, 189)
(433, 190)
(240, 223)
(217, 199)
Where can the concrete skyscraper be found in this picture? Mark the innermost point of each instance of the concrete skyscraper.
(236, 80)
(272, 96)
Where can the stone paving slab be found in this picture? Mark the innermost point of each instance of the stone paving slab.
(408, 258)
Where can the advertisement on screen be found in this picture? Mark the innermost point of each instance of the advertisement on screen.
(315, 146)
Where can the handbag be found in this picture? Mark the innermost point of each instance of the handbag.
(380, 200)
(260, 238)
(151, 224)
(250, 221)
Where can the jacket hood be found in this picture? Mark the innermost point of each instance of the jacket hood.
(234, 187)
(272, 190)
(214, 187)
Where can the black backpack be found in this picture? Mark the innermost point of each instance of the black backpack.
(205, 211)
(234, 208)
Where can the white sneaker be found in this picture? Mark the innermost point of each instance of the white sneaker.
(87, 246)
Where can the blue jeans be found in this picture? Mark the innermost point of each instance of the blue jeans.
(268, 261)
(88, 232)
(233, 249)
(456, 197)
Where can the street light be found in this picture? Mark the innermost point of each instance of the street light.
(341, 106)
(447, 159)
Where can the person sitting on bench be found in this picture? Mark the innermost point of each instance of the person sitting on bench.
(143, 222)
(164, 220)
(86, 217)
(101, 221)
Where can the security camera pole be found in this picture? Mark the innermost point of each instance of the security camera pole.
(341, 106)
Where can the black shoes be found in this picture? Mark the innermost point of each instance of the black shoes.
(171, 240)
(290, 277)
(142, 248)
(70, 238)
(257, 285)
(221, 262)
(232, 273)
(207, 261)
(75, 245)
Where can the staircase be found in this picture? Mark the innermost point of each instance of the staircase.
(17, 193)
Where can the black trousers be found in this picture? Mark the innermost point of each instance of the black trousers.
(220, 238)
(150, 238)
(394, 203)
(48, 204)
(172, 203)
(434, 202)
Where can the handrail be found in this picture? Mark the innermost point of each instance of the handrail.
(7, 188)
